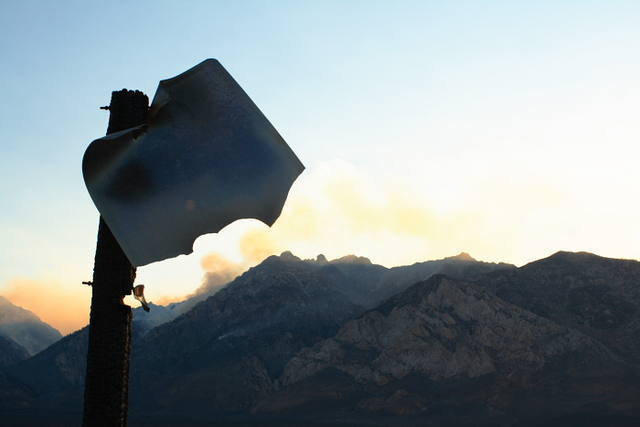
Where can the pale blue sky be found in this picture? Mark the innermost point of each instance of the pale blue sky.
(471, 107)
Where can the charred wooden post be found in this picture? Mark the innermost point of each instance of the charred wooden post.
(107, 377)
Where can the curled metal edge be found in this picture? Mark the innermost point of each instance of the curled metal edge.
(107, 157)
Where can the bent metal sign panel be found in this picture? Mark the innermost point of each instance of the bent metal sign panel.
(206, 157)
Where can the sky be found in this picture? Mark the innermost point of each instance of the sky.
(508, 130)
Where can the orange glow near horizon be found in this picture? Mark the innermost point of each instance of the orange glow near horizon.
(336, 210)
(65, 308)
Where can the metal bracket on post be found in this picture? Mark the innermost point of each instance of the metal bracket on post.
(107, 378)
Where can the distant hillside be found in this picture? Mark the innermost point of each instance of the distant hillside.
(25, 328)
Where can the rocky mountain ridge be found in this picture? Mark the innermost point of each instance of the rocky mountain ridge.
(317, 340)
(596, 295)
(456, 335)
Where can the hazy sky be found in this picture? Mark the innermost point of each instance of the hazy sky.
(505, 129)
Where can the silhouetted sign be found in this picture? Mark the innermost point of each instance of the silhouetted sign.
(206, 157)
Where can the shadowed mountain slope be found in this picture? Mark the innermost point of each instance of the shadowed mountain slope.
(229, 349)
(461, 266)
(450, 352)
(11, 352)
(233, 345)
(144, 321)
(596, 295)
(364, 283)
(294, 339)
(56, 374)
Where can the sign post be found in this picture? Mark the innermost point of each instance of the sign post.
(107, 378)
(200, 157)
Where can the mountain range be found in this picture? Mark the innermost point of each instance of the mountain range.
(448, 342)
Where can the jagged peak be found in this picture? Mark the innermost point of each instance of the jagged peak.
(321, 259)
(351, 259)
(284, 256)
(462, 256)
(289, 256)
